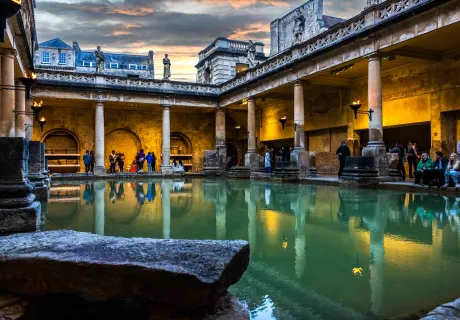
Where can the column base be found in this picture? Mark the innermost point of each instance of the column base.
(100, 171)
(23, 219)
(378, 150)
(166, 170)
(252, 161)
(302, 158)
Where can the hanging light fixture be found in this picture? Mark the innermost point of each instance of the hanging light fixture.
(28, 82)
(9, 8)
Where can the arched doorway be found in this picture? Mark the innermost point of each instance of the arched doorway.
(181, 149)
(124, 141)
(62, 151)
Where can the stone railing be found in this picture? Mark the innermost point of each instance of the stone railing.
(238, 45)
(102, 81)
(369, 18)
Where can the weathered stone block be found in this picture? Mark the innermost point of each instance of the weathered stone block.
(286, 170)
(14, 154)
(181, 273)
(379, 154)
(23, 219)
(251, 160)
(327, 163)
(359, 172)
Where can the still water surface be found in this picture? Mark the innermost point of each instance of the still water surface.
(316, 252)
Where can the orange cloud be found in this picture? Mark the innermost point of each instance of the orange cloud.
(252, 28)
(245, 3)
(115, 10)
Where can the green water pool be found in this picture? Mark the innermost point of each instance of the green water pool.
(317, 252)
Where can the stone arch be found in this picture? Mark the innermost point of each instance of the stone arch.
(124, 141)
(62, 141)
(180, 143)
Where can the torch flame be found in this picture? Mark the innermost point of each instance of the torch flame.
(38, 104)
(283, 118)
(356, 102)
(17, 1)
(34, 75)
(42, 119)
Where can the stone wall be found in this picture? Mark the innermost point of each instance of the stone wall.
(327, 163)
(124, 130)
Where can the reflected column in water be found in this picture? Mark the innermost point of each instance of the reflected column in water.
(221, 211)
(249, 195)
(301, 206)
(166, 208)
(99, 189)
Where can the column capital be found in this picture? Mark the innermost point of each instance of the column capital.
(166, 106)
(374, 56)
(8, 52)
(220, 109)
(299, 82)
(99, 101)
(251, 99)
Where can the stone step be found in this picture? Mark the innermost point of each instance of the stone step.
(185, 274)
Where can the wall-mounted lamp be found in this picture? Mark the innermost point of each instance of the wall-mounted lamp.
(355, 107)
(342, 69)
(283, 121)
(28, 82)
(40, 122)
(36, 108)
(237, 130)
(389, 57)
(9, 9)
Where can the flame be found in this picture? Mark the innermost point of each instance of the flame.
(17, 1)
(238, 127)
(357, 271)
(43, 119)
(355, 102)
(283, 118)
(38, 104)
(33, 75)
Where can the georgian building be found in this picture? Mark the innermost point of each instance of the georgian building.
(55, 54)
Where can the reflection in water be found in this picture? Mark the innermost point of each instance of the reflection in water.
(402, 248)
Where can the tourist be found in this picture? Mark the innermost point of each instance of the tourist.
(137, 160)
(425, 163)
(141, 157)
(149, 159)
(174, 164)
(399, 149)
(342, 152)
(87, 161)
(117, 159)
(458, 149)
(452, 171)
(112, 158)
(154, 161)
(412, 157)
(134, 165)
(267, 162)
(287, 154)
(440, 166)
(281, 154)
(121, 161)
(92, 155)
(181, 164)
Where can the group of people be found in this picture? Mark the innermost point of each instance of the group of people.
(117, 161)
(284, 154)
(441, 172)
(141, 158)
(89, 159)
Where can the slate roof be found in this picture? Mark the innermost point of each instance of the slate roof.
(329, 21)
(55, 43)
(123, 60)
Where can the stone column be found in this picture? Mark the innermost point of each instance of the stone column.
(7, 93)
(166, 208)
(376, 147)
(44, 167)
(20, 105)
(166, 145)
(18, 210)
(35, 174)
(29, 119)
(252, 158)
(99, 211)
(100, 168)
(221, 149)
(299, 154)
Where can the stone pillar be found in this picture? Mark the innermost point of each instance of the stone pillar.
(29, 119)
(376, 147)
(18, 210)
(252, 158)
(221, 148)
(7, 93)
(99, 168)
(166, 145)
(299, 154)
(20, 105)
(99, 211)
(44, 167)
(166, 208)
(35, 174)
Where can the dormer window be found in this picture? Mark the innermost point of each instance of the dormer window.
(133, 67)
(87, 64)
(113, 65)
(62, 58)
(45, 57)
(143, 67)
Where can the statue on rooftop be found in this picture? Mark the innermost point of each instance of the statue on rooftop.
(100, 59)
(299, 27)
(251, 54)
(167, 68)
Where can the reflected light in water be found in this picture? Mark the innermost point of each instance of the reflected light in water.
(358, 272)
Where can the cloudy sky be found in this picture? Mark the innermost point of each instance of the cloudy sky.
(180, 28)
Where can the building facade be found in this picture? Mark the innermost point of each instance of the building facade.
(55, 54)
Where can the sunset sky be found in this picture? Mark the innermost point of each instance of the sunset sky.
(180, 28)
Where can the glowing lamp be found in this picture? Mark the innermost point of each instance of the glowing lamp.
(28, 82)
(283, 121)
(9, 9)
(36, 108)
(41, 122)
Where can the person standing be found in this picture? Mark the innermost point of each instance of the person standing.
(154, 161)
(141, 157)
(87, 161)
(342, 152)
(149, 161)
(92, 156)
(412, 157)
(121, 160)
(112, 159)
(267, 162)
(399, 149)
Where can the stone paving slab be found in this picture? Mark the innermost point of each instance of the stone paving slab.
(183, 273)
(447, 311)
